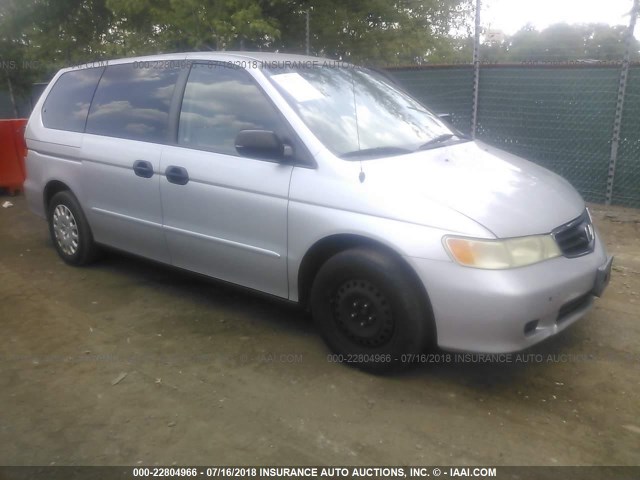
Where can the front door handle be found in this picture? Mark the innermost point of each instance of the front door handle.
(177, 175)
(143, 169)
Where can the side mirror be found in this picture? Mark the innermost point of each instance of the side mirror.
(261, 144)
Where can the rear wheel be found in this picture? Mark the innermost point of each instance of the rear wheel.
(370, 311)
(69, 230)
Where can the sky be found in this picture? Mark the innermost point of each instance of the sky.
(510, 15)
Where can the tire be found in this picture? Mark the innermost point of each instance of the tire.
(70, 231)
(370, 311)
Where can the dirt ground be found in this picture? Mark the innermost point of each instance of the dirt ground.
(128, 362)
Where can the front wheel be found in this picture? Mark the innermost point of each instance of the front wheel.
(370, 311)
(69, 230)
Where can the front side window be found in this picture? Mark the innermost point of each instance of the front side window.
(67, 104)
(356, 112)
(220, 101)
(133, 103)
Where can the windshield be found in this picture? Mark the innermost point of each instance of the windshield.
(357, 113)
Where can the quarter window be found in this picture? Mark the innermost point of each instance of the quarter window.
(67, 104)
(133, 103)
(220, 101)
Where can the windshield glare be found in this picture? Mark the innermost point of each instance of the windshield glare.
(377, 116)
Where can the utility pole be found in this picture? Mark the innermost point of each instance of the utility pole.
(476, 72)
(307, 31)
(12, 97)
(622, 90)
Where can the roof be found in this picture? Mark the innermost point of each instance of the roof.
(230, 56)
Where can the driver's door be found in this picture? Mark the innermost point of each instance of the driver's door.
(225, 215)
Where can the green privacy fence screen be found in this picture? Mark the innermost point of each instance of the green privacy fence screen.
(558, 116)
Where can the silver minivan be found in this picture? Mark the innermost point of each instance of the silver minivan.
(317, 182)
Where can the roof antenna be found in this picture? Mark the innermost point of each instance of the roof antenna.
(362, 176)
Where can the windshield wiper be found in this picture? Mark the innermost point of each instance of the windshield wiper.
(435, 141)
(376, 152)
(418, 110)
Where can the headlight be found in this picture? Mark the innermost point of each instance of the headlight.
(501, 254)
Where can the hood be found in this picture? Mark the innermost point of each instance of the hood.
(506, 194)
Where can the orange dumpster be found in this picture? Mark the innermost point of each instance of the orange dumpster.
(12, 153)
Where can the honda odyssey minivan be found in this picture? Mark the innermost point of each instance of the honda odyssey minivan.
(317, 182)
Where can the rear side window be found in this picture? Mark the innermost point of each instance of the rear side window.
(133, 102)
(67, 104)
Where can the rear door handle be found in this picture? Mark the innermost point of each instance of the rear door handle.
(177, 175)
(143, 169)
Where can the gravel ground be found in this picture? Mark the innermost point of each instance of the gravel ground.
(128, 362)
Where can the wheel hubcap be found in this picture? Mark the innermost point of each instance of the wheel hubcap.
(362, 313)
(65, 229)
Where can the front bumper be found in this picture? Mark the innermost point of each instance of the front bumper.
(502, 311)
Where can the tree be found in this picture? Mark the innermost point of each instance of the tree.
(66, 32)
(18, 66)
(174, 25)
(371, 31)
(561, 43)
(604, 42)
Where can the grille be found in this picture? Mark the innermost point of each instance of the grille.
(575, 238)
(573, 306)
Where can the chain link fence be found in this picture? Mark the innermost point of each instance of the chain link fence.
(22, 108)
(578, 118)
(558, 116)
(445, 89)
(626, 186)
